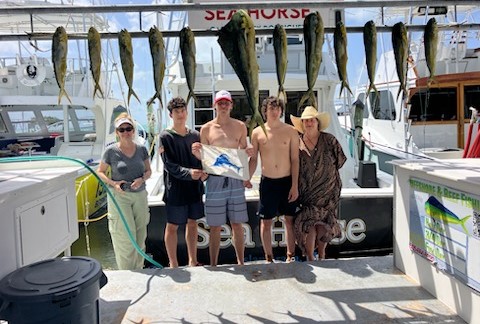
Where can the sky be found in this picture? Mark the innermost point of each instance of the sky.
(143, 78)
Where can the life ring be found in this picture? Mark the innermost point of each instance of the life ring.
(31, 75)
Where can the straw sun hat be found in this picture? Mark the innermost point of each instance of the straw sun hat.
(311, 112)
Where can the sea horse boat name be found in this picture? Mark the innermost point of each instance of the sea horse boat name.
(353, 231)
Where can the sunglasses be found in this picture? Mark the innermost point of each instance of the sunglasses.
(126, 129)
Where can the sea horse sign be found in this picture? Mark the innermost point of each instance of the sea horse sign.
(289, 17)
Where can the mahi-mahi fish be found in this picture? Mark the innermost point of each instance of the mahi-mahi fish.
(430, 39)
(59, 59)
(157, 50)
(280, 48)
(438, 211)
(400, 51)
(187, 48)
(370, 43)
(237, 41)
(126, 58)
(313, 35)
(341, 57)
(95, 54)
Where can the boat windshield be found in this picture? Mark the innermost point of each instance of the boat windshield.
(18, 121)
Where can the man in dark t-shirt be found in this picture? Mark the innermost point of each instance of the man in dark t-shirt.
(183, 177)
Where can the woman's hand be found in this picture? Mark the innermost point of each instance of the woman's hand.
(137, 183)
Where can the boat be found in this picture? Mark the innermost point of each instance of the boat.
(366, 206)
(365, 213)
(34, 123)
(433, 121)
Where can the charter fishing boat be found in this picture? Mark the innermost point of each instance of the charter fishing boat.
(33, 119)
(366, 203)
(433, 121)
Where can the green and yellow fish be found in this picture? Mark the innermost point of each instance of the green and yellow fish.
(437, 211)
(59, 59)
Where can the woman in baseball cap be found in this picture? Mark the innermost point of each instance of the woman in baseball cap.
(130, 168)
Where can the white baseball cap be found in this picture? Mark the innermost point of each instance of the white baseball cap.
(222, 95)
(123, 121)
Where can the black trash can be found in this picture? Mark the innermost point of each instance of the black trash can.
(61, 290)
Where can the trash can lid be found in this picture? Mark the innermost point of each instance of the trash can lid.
(39, 281)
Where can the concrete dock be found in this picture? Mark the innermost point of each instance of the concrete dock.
(361, 290)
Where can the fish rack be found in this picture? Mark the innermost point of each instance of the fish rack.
(141, 9)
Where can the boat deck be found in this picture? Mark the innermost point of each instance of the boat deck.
(364, 290)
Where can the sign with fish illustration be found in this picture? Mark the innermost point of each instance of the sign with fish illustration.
(226, 162)
(445, 229)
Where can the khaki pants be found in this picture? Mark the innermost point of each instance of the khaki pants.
(134, 206)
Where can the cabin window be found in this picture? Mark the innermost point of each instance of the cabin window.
(472, 99)
(54, 120)
(80, 120)
(24, 122)
(434, 105)
(382, 107)
(204, 112)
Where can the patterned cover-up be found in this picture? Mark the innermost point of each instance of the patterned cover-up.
(319, 188)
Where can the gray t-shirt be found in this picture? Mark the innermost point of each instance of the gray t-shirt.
(124, 167)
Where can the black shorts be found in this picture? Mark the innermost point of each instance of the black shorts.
(179, 215)
(274, 198)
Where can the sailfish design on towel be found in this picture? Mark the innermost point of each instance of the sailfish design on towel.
(223, 160)
(227, 162)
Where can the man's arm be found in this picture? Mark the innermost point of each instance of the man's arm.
(252, 162)
(196, 147)
(295, 164)
(243, 136)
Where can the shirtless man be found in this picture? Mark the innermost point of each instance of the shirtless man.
(224, 196)
(279, 183)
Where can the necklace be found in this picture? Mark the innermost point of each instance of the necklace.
(314, 145)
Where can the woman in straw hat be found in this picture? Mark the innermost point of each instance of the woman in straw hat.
(321, 156)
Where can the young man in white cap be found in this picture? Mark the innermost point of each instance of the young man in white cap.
(224, 196)
(279, 184)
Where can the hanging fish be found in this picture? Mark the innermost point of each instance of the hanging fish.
(126, 58)
(430, 39)
(157, 50)
(187, 48)
(280, 48)
(59, 59)
(370, 43)
(400, 51)
(341, 57)
(95, 55)
(237, 41)
(313, 35)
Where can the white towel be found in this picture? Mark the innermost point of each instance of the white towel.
(226, 162)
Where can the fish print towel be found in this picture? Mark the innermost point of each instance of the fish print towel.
(226, 162)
